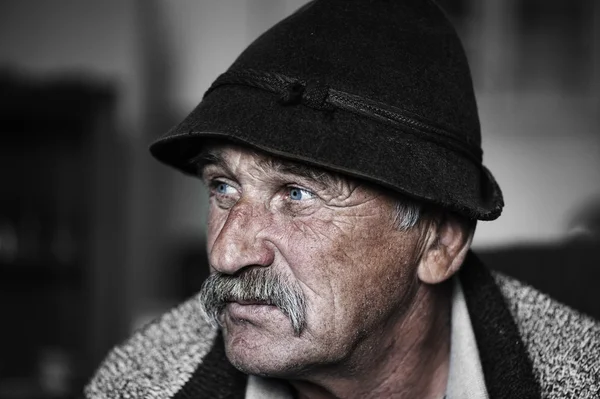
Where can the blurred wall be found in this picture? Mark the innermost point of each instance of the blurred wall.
(95, 39)
(536, 67)
(544, 150)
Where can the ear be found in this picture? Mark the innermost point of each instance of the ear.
(446, 247)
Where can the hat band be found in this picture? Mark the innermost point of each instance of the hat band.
(315, 95)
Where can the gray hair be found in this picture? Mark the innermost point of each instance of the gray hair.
(406, 213)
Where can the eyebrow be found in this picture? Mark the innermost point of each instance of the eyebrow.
(293, 168)
(208, 156)
(212, 156)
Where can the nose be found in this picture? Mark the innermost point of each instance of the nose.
(242, 241)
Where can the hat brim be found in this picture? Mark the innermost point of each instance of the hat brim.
(339, 141)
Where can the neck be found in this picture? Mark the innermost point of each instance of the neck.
(409, 360)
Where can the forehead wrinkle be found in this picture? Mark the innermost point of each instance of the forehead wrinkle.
(293, 168)
(211, 155)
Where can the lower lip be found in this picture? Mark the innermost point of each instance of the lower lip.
(249, 312)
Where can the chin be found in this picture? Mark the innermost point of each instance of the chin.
(260, 341)
(262, 356)
(262, 363)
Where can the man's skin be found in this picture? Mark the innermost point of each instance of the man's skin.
(378, 298)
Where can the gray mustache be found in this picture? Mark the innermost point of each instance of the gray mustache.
(255, 284)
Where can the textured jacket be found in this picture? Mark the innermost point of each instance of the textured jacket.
(529, 345)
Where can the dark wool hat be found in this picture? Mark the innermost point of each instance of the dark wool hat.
(375, 89)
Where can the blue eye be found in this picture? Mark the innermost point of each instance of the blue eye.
(298, 194)
(221, 188)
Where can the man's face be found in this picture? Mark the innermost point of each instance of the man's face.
(331, 239)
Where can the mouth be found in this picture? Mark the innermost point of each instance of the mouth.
(258, 313)
(252, 311)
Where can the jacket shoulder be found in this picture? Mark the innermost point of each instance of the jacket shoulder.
(563, 344)
(157, 360)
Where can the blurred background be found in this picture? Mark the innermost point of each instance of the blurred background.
(97, 238)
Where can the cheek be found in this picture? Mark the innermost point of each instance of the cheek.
(214, 223)
(306, 244)
(336, 261)
(350, 268)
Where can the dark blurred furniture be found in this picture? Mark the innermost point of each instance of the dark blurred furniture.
(51, 139)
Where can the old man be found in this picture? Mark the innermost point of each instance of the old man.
(342, 154)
